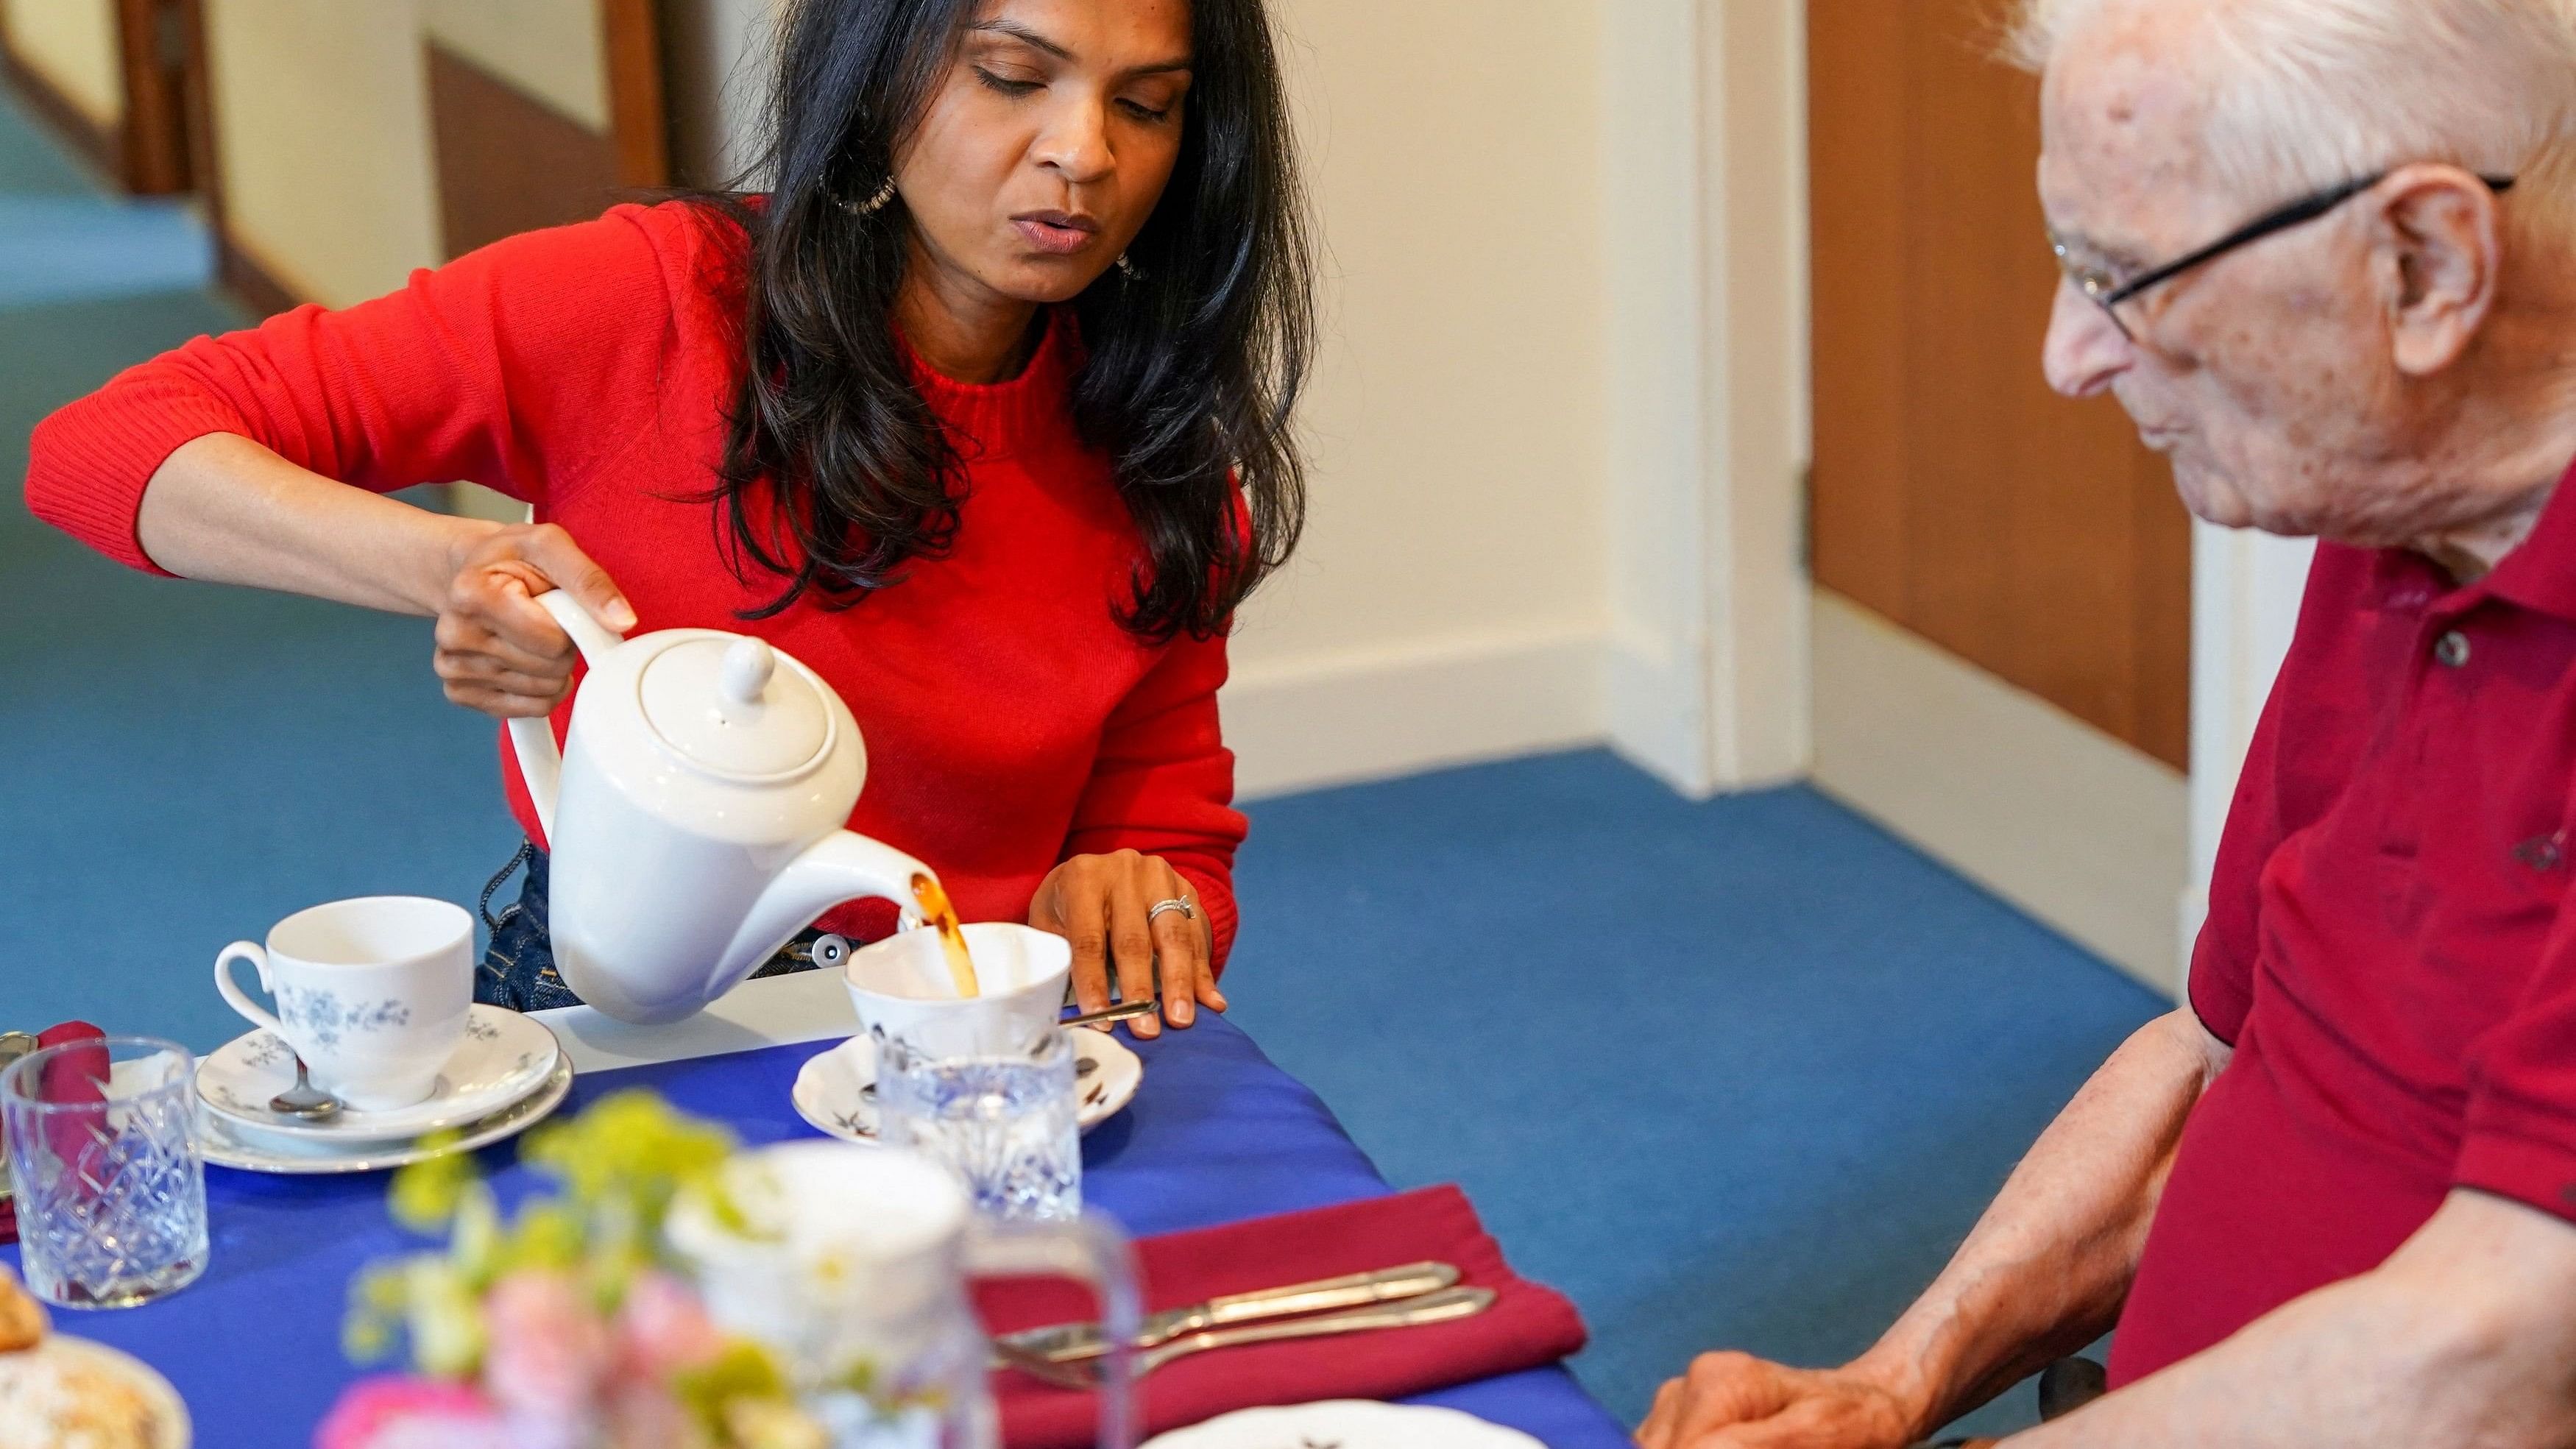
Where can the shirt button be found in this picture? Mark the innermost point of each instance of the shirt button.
(2452, 649)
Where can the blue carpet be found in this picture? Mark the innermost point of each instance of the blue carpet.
(70, 248)
(1736, 1073)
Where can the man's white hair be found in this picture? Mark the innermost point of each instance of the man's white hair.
(2305, 94)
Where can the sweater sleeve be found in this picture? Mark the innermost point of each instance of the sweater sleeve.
(520, 366)
(1163, 782)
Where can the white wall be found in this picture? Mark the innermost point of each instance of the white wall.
(1452, 592)
(322, 120)
(73, 44)
(2245, 605)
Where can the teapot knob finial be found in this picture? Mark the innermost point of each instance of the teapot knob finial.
(748, 665)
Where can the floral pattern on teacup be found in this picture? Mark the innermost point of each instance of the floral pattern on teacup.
(323, 1016)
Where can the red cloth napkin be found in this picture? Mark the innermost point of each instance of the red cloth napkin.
(78, 1076)
(1528, 1325)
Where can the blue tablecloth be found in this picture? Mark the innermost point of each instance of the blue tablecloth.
(1217, 1134)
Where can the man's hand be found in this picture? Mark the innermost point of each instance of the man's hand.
(1103, 905)
(1737, 1401)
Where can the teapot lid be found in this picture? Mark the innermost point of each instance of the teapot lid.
(725, 705)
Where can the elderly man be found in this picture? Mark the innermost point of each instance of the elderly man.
(2324, 253)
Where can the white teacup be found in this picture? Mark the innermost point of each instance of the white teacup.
(901, 988)
(372, 993)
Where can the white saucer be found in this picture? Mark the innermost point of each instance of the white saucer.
(503, 1058)
(171, 1429)
(1345, 1424)
(837, 1090)
(297, 1151)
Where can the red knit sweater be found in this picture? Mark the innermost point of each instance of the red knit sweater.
(1010, 721)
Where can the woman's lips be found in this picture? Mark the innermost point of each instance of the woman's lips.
(1055, 233)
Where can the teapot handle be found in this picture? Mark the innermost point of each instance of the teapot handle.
(532, 740)
(1089, 1249)
(595, 640)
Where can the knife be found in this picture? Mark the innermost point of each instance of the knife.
(1067, 1342)
(1445, 1306)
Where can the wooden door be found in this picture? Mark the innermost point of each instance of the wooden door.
(1954, 494)
(133, 126)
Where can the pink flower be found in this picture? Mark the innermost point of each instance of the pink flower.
(663, 1328)
(396, 1411)
(644, 1415)
(547, 1350)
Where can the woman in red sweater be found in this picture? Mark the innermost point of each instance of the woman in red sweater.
(981, 411)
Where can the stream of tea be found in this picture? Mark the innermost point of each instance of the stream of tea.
(942, 917)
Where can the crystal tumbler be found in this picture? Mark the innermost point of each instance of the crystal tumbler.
(1006, 1124)
(111, 1195)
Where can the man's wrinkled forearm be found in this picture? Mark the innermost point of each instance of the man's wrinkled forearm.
(2047, 1267)
(2465, 1337)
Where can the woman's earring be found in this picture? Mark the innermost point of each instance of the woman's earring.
(1128, 269)
(873, 204)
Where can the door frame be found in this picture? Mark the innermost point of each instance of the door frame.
(1704, 209)
(1710, 670)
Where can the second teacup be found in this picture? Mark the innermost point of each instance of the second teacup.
(372, 993)
(900, 987)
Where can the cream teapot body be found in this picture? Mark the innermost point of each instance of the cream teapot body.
(695, 815)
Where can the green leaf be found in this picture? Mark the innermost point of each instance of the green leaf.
(745, 1370)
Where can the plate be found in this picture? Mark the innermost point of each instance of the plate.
(225, 1143)
(503, 1057)
(837, 1090)
(1345, 1424)
(170, 1415)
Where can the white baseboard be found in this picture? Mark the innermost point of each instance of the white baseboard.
(1345, 718)
(2079, 829)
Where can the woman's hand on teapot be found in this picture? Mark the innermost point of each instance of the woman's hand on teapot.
(499, 651)
(1103, 904)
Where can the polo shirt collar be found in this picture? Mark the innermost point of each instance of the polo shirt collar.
(2540, 573)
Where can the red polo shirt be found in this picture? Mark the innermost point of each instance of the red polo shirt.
(2385, 944)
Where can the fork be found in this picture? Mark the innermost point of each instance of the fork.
(1446, 1306)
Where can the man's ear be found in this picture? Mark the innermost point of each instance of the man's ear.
(2441, 248)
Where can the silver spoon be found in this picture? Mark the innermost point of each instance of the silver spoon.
(304, 1099)
(1120, 1012)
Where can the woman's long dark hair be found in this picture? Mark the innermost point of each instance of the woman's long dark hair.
(1193, 363)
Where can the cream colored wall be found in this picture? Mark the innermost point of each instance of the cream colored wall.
(322, 121)
(73, 44)
(1456, 425)
(551, 49)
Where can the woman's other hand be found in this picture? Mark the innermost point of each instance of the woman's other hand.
(499, 651)
(1101, 904)
(1737, 1401)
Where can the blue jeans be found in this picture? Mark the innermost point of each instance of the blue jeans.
(518, 968)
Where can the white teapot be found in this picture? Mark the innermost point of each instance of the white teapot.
(695, 814)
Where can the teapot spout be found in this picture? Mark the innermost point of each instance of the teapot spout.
(842, 866)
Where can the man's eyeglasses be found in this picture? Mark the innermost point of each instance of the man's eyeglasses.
(2108, 291)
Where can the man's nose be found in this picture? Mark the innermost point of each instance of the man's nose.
(2085, 348)
(1076, 141)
